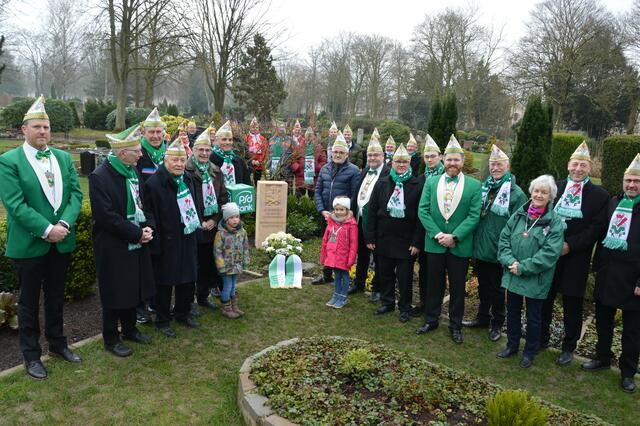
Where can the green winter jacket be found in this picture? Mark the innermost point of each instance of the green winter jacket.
(487, 233)
(537, 253)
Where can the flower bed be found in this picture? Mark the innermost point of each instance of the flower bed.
(333, 380)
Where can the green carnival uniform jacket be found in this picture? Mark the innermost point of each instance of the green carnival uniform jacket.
(461, 224)
(488, 231)
(537, 253)
(28, 210)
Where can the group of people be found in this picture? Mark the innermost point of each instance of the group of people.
(163, 227)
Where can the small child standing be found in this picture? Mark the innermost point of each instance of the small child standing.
(231, 252)
(339, 248)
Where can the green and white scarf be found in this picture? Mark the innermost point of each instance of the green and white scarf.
(309, 164)
(277, 273)
(208, 192)
(228, 170)
(437, 171)
(276, 153)
(500, 205)
(188, 213)
(155, 154)
(620, 224)
(396, 206)
(570, 204)
(135, 214)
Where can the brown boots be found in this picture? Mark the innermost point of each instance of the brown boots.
(234, 305)
(227, 310)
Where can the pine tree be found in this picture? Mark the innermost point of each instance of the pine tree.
(435, 123)
(257, 86)
(449, 117)
(530, 158)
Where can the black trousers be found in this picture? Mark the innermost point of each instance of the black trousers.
(605, 322)
(363, 262)
(492, 295)
(572, 319)
(110, 318)
(182, 306)
(439, 265)
(391, 270)
(208, 276)
(422, 278)
(47, 272)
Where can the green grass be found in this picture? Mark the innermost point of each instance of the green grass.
(193, 379)
(83, 133)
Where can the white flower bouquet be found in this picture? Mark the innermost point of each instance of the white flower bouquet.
(282, 243)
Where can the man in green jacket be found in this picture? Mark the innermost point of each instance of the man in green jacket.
(41, 194)
(449, 211)
(501, 197)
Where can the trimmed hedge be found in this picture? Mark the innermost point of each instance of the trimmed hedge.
(618, 152)
(60, 115)
(562, 146)
(95, 113)
(394, 128)
(81, 275)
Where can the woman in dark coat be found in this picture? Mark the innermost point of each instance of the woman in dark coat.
(174, 246)
(395, 233)
(208, 276)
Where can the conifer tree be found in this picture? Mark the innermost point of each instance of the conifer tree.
(435, 123)
(450, 117)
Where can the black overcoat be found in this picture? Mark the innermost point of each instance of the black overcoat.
(222, 195)
(581, 235)
(239, 167)
(174, 255)
(145, 166)
(361, 176)
(125, 277)
(393, 236)
(617, 271)
(415, 164)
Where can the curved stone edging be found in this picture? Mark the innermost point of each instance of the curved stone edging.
(253, 406)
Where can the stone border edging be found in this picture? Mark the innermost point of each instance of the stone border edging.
(253, 406)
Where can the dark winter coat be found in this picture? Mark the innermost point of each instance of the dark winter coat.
(125, 277)
(618, 272)
(239, 167)
(174, 254)
(581, 235)
(145, 166)
(393, 236)
(354, 200)
(415, 164)
(222, 195)
(334, 180)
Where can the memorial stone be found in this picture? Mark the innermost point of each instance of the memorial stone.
(271, 209)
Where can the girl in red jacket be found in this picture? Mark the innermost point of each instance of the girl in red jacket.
(339, 248)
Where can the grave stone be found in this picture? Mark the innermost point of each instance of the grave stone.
(271, 209)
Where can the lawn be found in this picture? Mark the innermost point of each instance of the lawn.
(193, 379)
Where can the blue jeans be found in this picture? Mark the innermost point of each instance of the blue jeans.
(228, 287)
(514, 323)
(341, 281)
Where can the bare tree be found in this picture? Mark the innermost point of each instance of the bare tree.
(399, 73)
(377, 51)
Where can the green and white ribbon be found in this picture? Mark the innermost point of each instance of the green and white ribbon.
(135, 214)
(228, 170)
(293, 272)
(277, 273)
(500, 205)
(188, 213)
(208, 192)
(156, 154)
(396, 206)
(309, 165)
(570, 204)
(620, 224)
(437, 171)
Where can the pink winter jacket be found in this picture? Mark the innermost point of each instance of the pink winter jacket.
(342, 253)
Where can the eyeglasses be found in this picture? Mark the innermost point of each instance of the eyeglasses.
(137, 151)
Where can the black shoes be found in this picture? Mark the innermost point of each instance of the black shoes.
(66, 354)
(456, 336)
(596, 365)
(208, 304)
(167, 331)
(194, 312)
(319, 280)
(526, 362)
(355, 289)
(495, 334)
(426, 327)
(565, 358)
(119, 349)
(404, 316)
(506, 352)
(474, 323)
(628, 385)
(142, 316)
(36, 369)
(417, 311)
(138, 337)
(189, 322)
(384, 310)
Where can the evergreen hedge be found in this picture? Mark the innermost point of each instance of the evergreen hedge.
(394, 128)
(60, 115)
(618, 152)
(562, 146)
(95, 113)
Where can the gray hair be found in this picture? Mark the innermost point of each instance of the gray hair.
(546, 181)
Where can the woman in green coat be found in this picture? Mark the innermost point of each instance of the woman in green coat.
(529, 247)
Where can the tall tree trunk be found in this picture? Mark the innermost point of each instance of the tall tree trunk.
(149, 83)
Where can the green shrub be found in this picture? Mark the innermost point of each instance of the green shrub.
(304, 210)
(133, 116)
(95, 113)
(8, 310)
(364, 123)
(60, 115)
(8, 279)
(394, 128)
(562, 146)
(76, 105)
(357, 363)
(102, 143)
(172, 109)
(515, 408)
(301, 226)
(467, 167)
(12, 114)
(81, 276)
(619, 151)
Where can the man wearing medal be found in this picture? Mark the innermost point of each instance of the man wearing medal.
(501, 197)
(582, 206)
(42, 197)
(449, 211)
(121, 236)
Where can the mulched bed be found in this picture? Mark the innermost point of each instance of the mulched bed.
(82, 319)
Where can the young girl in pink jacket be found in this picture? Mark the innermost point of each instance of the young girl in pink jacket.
(339, 248)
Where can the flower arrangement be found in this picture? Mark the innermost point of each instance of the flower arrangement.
(368, 283)
(282, 243)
